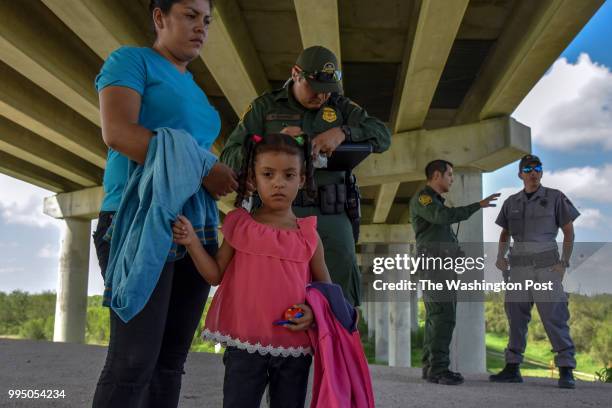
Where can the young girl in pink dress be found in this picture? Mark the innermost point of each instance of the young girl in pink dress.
(267, 259)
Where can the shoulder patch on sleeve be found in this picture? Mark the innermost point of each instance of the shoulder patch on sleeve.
(425, 199)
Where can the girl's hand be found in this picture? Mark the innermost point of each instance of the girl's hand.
(304, 322)
(183, 233)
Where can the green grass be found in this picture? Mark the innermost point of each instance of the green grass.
(538, 359)
(538, 356)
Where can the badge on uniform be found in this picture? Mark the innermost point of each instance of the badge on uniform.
(329, 114)
(425, 200)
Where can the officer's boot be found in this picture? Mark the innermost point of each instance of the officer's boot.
(566, 378)
(510, 374)
(446, 377)
(425, 371)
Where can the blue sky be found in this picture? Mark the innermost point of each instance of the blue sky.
(569, 111)
(576, 92)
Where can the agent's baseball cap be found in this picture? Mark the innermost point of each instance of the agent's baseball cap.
(529, 159)
(320, 68)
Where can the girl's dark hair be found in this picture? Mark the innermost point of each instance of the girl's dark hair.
(275, 142)
(165, 6)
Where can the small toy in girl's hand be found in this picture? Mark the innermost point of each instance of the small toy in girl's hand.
(291, 313)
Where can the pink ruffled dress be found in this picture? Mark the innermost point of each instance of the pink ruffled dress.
(268, 274)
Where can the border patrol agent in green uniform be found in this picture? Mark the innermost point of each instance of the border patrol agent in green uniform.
(431, 221)
(311, 103)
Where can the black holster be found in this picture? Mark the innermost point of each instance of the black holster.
(353, 203)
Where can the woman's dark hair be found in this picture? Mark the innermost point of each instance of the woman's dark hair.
(275, 142)
(165, 6)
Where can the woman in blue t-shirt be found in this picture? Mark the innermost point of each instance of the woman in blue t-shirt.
(141, 89)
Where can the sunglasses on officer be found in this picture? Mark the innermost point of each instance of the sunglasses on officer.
(528, 169)
(323, 76)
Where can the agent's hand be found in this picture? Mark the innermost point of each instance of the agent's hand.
(489, 201)
(559, 268)
(183, 233)
(327, 141)
(292, 131)
(502, 264)
(304, 322)
(220, 181)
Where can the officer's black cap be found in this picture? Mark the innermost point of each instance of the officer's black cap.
(319, 59)
(529, 159)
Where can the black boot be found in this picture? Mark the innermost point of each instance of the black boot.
(446, 378)
(425, 372)
(566, 378)
(510, 374)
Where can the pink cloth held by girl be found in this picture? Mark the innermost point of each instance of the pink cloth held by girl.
(268, 273)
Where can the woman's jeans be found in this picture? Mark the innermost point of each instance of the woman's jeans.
(146, 355)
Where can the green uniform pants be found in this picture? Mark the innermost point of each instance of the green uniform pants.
(337, 236)
(440, 318)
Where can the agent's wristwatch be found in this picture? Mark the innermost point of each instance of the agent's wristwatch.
(565, 264)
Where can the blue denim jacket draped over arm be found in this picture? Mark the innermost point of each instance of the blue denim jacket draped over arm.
(168, 184)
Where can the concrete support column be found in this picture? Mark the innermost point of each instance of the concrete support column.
(468, 350)
(371, 318)
(399, 322)
(381, 332)
(71, 304)
(414, 311)
(399, 334)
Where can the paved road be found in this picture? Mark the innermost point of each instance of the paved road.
(74, 368)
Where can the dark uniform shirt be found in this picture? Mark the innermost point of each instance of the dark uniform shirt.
(533, 223)
(275, 110)
(432, 220)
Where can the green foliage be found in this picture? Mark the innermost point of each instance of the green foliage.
(25, 315)
(604, 375)
(590, 323)
(32, 316)
(601, 348)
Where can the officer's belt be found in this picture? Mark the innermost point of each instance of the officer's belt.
(331, 199)
(541, 260)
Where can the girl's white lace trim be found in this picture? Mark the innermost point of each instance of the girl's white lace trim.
(218, 337)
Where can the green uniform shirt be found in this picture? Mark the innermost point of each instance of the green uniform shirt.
(275, 110)
(431, 219)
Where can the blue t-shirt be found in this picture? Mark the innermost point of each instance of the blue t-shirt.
(170, 99)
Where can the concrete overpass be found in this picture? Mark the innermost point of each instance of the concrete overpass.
(444, 75)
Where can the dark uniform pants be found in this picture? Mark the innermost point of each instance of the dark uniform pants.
(337, 237)
(554, 313)
(440, 318)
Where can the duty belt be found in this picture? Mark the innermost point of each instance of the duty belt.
(541, 260)
(330, 199)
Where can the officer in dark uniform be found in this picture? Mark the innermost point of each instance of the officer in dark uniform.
(431, 221)
(311, 103)
(533, 217)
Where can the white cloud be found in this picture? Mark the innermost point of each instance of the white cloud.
(582, 183)
(590, 218)
(48, 251)
(571, 106)
(22, 203)
(11, 270)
